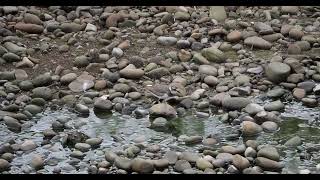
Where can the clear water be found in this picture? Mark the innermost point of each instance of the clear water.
(106, 126)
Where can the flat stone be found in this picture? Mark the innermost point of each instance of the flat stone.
(81, 85)
(235, 103)
(29, 28)
(257, 42)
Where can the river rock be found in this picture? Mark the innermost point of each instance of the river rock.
(213, 55)
(37, 162)
(117, 52)
(250, 152)
(240, 162)
(171, 156)
(269, 152)
(7, 75)
(309, 102)
(200, 59)
(299, 93)
(276, 93)
(80, 85)
(82, 109)
(25, 63)
(289, 9)
(235, 103)
(33, 109)
(257, 42)
(293, 142)
(142, 166)
(193, 140)
(83, 147)
(29, 28)
(10, 9)
(268, 164)
(123, 163)
(189, 156)
(32, 19)
(158, 73)
(277, 72)
(218, 98)
(4, 165)
(159, 123)
(113, 20)
(14, 48)
(218, 13)
(183, 44)
(110, 156)
(250, 128)
(121, 87)
(28, 145)
(203, 164)
(167, 41)
(263, 28)
(208, 70)
(222, 159)
(11, 57)
(81, 61)
(91, 27)
(20, 74)
(163, 110)
(94, 142)
(234, 36)
(161, 163)
(102, 104)
(269, 126)
(181, 165)
(253, 108)
(296, 34)
(42, 80)
(242, 80)
(307, 86)
(211, 80)
(42, 92)
(12, 123)
(68, 78)
(72, 27)
(182, 16)
(131, 72)
(274, 106)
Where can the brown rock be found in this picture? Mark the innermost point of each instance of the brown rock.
(299, 93)
(113, 20)
(29, 28)
(234, 36)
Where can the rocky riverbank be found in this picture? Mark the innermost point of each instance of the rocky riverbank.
(159, 63)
